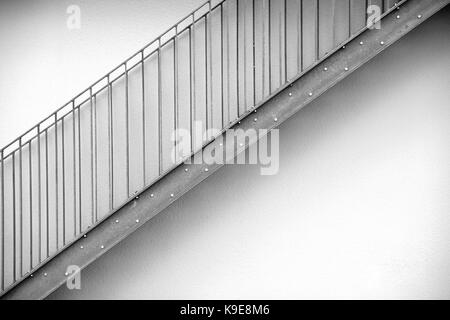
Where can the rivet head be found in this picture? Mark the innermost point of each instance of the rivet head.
(186, 170)
(256, 119)
(221, 144)
(239, 122)
(241, 144)
(254, 111)
(117, 221)
(276, 119)
(398, 17)
(137, 197)
(171, 195)
(382, 43)
(137, 220)
(310, 94)
(152, 195)
(102, 247)
(361, 43)
(419, 16)
(45, 274)
(343, 47)
(66, 274)
(206, 169)
(31, 275)
(290, 94)
(85, 236)
(346, 69)
(81, 247)
(325, 69)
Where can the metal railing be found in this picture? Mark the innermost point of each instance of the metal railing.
(113, 140)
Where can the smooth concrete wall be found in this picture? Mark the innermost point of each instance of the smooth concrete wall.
(360, 206)
(359, 209)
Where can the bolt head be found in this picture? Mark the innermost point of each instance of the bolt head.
(186, 170)
(346, 69)
(361, 43)
(85, 236)
(325, 69)
(66, 274)
(256, 119)
(382, 43)
(137, 220)
(102, 247)
(343, 47)
(419, 16)
(152, 195)
(171, 195)
(206, 169)
(276, 119)
(310, 94)
(398, 17)
(290, 94)
(117, 221)
(81, 247)
(31, 275)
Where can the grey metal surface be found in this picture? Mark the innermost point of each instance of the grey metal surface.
(287, 101)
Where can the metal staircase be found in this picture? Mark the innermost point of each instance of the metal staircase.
(106, 162)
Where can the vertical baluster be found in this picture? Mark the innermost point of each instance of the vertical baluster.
(56, 181)
(95, 160)
(74, 173)
(228, 62)
(21, 208)
(237, 57)
(285, 42)
(263, 44)
(300, 37)
(350, 18)
(111, 144)
(206, 75)
(143, 122)
(175, 93)
(47, 195)
(31, 203)
(63, 151)
(245, 56)
(79, 170)
(317, 32)
(254, 54)
(160, 155)
(3, 219)
(270, 47)
(14, 216)
(221, 65)
(39, 195)
(211, 65)
(127, 130)
(192, 80)
(92, 153)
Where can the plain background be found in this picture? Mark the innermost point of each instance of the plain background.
(359, 209)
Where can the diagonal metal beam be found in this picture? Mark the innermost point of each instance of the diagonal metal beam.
(284, 103)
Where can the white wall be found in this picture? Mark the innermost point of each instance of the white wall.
(44, 64)
(360, 208)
